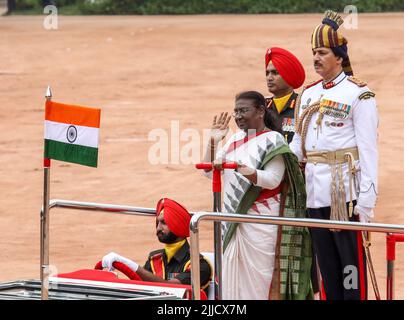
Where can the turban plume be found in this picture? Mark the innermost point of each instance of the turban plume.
(327, 35)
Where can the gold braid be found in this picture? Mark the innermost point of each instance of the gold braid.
(297, 108)
(301, 119)
(304, 121)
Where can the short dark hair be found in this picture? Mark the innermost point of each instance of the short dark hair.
(271, 117)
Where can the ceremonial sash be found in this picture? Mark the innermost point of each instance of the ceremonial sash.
(157, 265)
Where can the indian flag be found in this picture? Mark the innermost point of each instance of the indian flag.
(72, 133)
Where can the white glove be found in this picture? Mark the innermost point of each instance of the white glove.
(365, 214)
(111, 257)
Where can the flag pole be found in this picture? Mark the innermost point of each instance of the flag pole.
(44, 267)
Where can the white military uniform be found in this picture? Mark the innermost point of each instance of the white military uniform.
(350, 119)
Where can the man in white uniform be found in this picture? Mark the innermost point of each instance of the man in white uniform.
(336, 135)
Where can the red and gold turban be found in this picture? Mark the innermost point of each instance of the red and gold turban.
(177, 218)
(287, 65)
(327, 35)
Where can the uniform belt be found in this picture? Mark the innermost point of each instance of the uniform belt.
(332, 157)
(335, 159)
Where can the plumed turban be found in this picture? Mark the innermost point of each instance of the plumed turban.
(327, 35)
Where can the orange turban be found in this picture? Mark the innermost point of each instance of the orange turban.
(176, 217)
(287, 65)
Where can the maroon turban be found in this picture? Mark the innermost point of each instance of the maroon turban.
(176, 217)
(288, 66)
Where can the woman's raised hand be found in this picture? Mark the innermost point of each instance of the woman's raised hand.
(220, 127)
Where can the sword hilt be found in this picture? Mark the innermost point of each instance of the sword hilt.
(367, 241)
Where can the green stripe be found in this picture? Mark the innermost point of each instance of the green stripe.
(87, 156)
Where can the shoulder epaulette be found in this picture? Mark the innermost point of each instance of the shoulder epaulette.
(295, 99)
(156, 253)
(357, 81)
(297, 106)
(312, 84)
(366, 95)
(268, 101)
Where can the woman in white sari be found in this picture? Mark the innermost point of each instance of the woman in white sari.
(254, 188)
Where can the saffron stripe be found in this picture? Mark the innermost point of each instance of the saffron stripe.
(76, 115)
(313, 39)
(324, 35)
(87, 156)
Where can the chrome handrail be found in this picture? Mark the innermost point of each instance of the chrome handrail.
(297, 222)
(103, 207)
(75, 205)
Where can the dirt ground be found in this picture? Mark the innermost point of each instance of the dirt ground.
(147, 73)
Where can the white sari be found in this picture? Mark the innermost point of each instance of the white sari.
(249, 259)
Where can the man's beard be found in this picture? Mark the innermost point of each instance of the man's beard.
(167, 238)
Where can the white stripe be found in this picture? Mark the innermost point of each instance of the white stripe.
(86, 136)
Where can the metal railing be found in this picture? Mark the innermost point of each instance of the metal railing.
(103, 207)
(76, 205)
(311, 223)
(194, 231)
